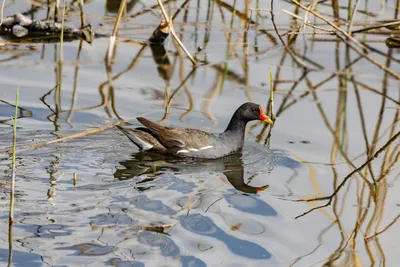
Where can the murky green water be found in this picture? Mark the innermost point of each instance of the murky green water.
(137, 209)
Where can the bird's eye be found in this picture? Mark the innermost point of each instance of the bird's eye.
(254, 110)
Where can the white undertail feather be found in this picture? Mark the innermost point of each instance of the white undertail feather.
(139, 142)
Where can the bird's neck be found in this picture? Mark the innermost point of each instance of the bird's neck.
(236, 124)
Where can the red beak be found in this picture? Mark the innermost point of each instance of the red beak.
(264, 117)
(262, 188)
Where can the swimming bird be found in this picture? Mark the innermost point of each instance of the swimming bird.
(186, 142)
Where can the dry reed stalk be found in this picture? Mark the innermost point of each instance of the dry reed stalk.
(287, 47)
(271, 108)
(395, 23)
(292, 14)
(384, 229)
(81, 7)
(316, 14)
(61, 56)
(231, 8)
(183, 5)
(173, 33)
(307, 33)
(2, 12)
(305, 23)
(69, 137)
(185, 86)
(251, 14)
(358, 49)
(330, 128)
(312, 6)
(169, 102)
(362, 166)
(113, 37)
(352, 16)
(75, 86)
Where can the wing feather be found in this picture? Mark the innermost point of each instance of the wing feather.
(166, 135)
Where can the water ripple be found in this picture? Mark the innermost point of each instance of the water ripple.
(202, 225)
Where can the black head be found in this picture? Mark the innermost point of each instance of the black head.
(250, 112)
(245, 113)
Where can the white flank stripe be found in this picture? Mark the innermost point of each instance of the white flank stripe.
(205, 147)
(193, 149)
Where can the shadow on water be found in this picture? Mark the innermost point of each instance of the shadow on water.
(21, 258)
(203, 225)
(168, 248)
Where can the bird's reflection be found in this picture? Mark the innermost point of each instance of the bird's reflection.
(161, 59)
(155, 164)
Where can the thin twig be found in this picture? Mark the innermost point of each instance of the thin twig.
(292, 14)
(81, 7)
(60, 60)
(43, 98)
(312, 6)
(271, 108)
(113, 37)
(251, 14)
(69, 137)
(295, 58)
(353, 15)
(181, 85)
(306, 23)
(183, 6)
(329, 22)
(395, 23)
(349, 37)
(212, 204)
(330, 198)
(384, 229)
(370, 59)
(260, 9)
(173, 33)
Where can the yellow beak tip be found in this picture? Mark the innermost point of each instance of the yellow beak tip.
(269, 121)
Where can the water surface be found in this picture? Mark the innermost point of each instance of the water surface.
(129, 208)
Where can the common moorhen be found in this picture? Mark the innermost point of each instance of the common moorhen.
(184, 142)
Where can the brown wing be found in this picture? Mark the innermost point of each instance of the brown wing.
(143, 138)
(192, 138)
(166, 135)
(181, 138)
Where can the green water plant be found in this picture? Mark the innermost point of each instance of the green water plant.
(12, 194)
